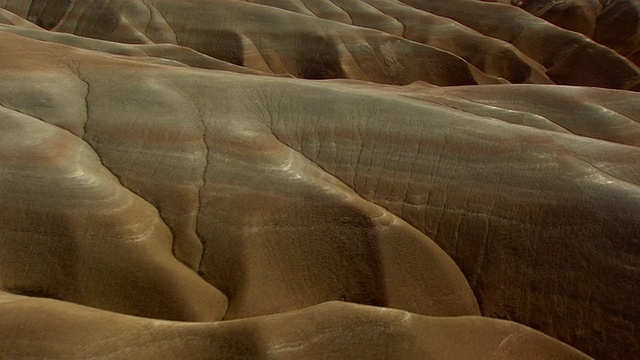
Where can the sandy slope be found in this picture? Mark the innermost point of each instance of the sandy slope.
(332, 330)
(173, 160)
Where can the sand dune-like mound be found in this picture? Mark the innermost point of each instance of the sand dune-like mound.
(332, 330)
(575, 15)
(67, 231)
(213, 176)
(317, 179)
(613, 23)
(570, 58)
(335, 40)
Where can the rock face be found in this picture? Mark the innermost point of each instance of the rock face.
(317, 179)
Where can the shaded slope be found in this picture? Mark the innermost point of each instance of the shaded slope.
(247, 34)
(71, 232)
(164, 54)
(380, 41)
(492, 56)
(618, 27)
(284, 193)
(491, 193)
(569, 58)
(267, 258)
(575, 15)
(615, 24)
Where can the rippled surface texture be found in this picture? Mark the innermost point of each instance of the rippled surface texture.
(319, 179)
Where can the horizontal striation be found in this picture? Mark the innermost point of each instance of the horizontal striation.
(70, 231)
(171, 160)
(492, 56)
(570, 58)
(199, 147)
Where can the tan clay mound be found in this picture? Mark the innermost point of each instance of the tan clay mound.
(570, 58)
(575, 15)
(496, 58)
(332, 330)
(164, 54)
(177, 186)
(249, 34)
(613, 23)
(77, 234)
(246, 34)
(194, 147)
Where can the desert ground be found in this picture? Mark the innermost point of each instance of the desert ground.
(319, 179)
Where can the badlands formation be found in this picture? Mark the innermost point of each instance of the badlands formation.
(319, 179)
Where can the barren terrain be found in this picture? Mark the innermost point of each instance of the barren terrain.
(319, 179)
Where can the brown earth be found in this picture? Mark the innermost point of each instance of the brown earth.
(288, 179)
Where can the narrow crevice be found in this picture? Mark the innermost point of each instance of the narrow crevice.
(261, 52)
(156, 14)
(569, 132)
(308, 8)
(29, 7)
(204, 129)
(605, 173)
(489, 106)
(84, 137)
(344, 11)
(29, 115)
(397, 19)
(146, 27)
(338, 180)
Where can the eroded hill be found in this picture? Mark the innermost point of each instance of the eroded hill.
(315, 179)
